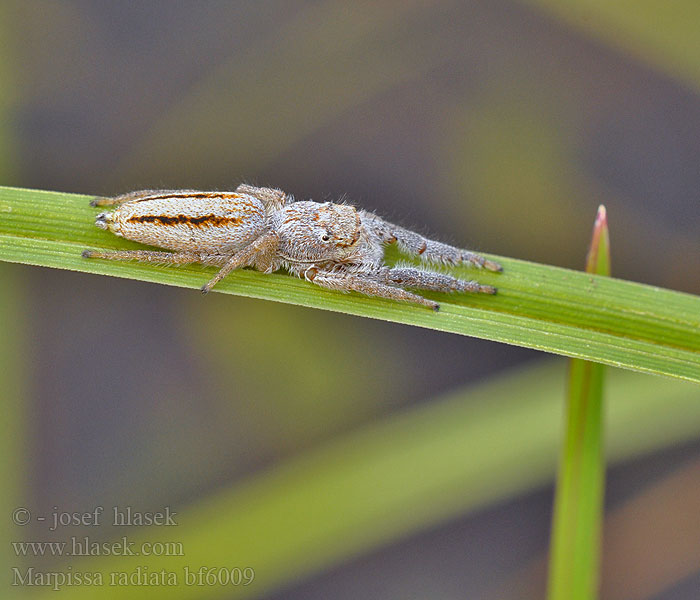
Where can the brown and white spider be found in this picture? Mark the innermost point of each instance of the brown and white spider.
(332, 245)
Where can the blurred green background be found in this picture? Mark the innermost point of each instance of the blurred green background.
(495, 125)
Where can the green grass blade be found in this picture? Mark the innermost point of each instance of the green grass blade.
(379, 483)
(578, 508)
(556, 310)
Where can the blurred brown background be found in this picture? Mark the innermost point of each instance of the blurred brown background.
(496, 125)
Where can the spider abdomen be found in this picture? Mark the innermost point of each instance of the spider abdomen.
(211, 222)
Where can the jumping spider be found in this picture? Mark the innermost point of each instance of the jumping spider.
(332, 245)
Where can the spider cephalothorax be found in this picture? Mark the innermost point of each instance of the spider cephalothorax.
(310, 232)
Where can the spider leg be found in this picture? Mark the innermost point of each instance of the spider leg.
(261, 246)
(430, 250)
(268, 196)
(116, 200)
(430, 280)
(366, 284)
(154, 256)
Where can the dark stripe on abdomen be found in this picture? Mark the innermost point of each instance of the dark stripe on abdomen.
(212, 220)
